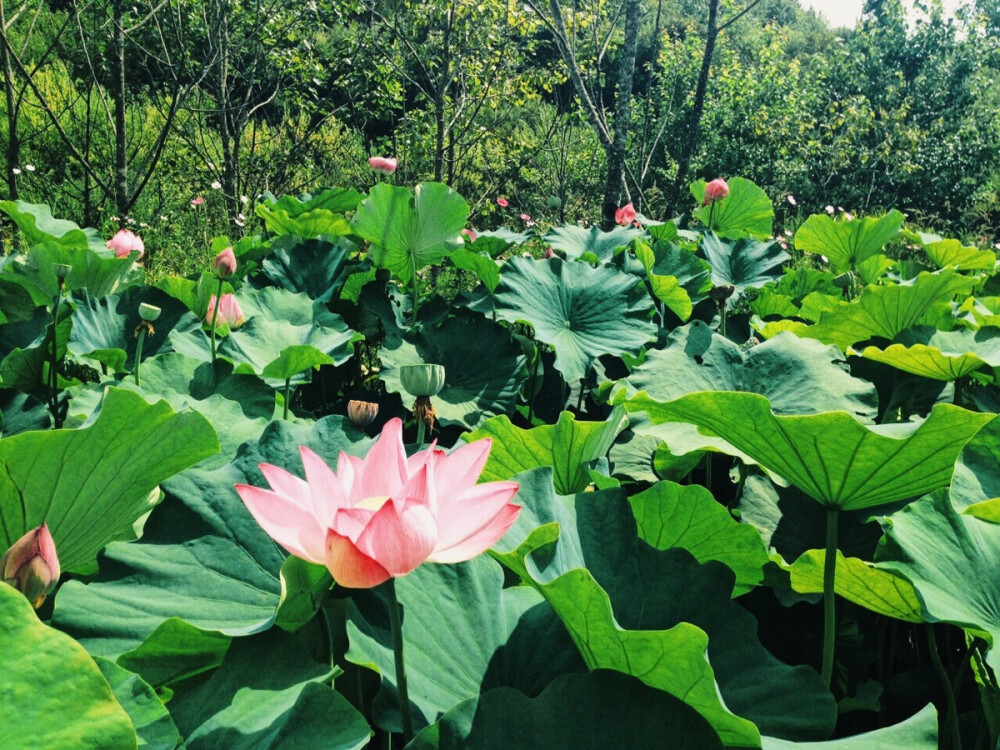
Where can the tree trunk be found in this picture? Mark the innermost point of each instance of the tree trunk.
(694, 124)
(13, 143)
(623, 116)
(121, 148)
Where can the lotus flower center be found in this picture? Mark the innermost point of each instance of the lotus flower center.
(373, 503)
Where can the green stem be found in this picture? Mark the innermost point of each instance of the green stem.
(829, 598)
(54, 365)
(421, 430)
(711, 215)
(288, 385)
(534, 385)
(215, 317)
(708, 470)
(958, 392)
(138, 352)
(949, 693)
(722, 315)
(396, 626)
(416, 299)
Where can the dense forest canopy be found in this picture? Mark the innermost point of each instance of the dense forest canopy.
(119, 113)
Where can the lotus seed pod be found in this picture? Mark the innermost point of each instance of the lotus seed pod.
(422, 380)
(722, 293)
(62, 270)
(149, 313)
(362, 413)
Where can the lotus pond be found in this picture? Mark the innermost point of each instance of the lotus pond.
(377, 478)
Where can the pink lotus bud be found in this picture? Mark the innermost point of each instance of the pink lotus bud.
(502, 202)
(229, 312)
(470, 234)
(225, 263)
(31, 565)
(382, 164)
(390, 166)
(124, 242)
(716, 190)
(625, 215)
(195, 202)
(549, 253)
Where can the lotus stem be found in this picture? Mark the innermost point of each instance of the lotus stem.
(288, 385)
(138, 352)
(215, 317)
(421, 431)
(416, 292)
(396, 625)
(949, 693)
(54, 366)
(534, 387)
(829, 598)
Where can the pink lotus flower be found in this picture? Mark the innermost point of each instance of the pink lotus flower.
(716, 190)
(382, 164)
(502, 202)
(124, 242)
(470, 233)
(31, 565)
(625, 215)
(380, 517)
(229, 312)
(225, 263)
(195, 202)
(549, 253)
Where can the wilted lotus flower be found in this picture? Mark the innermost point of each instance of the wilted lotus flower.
(716, 190)
(380, 517)
(625, 215)
(124, 242)
(361, 413)
(31, 565)
(229, 312)
(382, 164)
(225, 263)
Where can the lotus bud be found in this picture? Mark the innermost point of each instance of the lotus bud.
(225, 263)
(383, 164)
(625, 215)
(31, 565)
(62, 270)
(549, 253)
(422, 380)
(362, 413)
(716, 190)
(149, 313)
(721, 293)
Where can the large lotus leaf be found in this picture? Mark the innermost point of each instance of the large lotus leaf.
(953, 561)
(567, 446)
(336, 200)
(745, 211)
(321, 216)
(590, 244)
(882, 311)
(175, 651)
(743, 264)
(677, 277)
(940, 355)
(26, 367)
(16, 302)
(976, 480)
(583, 312)
(875, 589)
(194, 292)
(495, 637)
(670, 515)
(945, 253)
(268, 693)
(286, 334)
(484, 368)
(847, 243)
(91, 484)
(202, 555)
(52, 694)
(410, 231)
(97, 273)
(919, 732)
(104, 329)
(20, 412)
(597, 709)
(769, 303)
(799, 283)
(150, 718)
(646, 612)
(482, 265)
(36, 222)
(862, 468)
(313, 267)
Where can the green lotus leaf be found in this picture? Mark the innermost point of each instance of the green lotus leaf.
(847, 243)
(173, 652)
(268, 692)
(573, 711)
(495, 241)
(336, 200)
(799, 283)
(945, 253)
(16, 302)
(316, 268)
(935, 549)
(652, 614)
(91, 484)
(485, 268)
(940, 355)
(976, 481)
(304, 586)
(26, 367)
(590, 244)
(882, 311)
(97, 273)
(919, 732)
(495, 637)
(875, 589)
(52, 691)
(20, 412)
(670, 515)
(745, 211)
(38, 225)
(677, 277)
(770, 303)
(202, 555)
(567, 446)
(583, 312)
(410, 231)
(484, 367)
(864, 467)
(320, 215)
(150, 718)
(195, 292)
(743, 264)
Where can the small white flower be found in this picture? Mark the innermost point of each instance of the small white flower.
(240, 220)
(791, 199)
(163, 218)
(848, 216)
(216, 185)
(15, 170)
(830, 210)
(130, 220)
(144, 225)
(788, 232)
(244, 200)
(30, 167)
